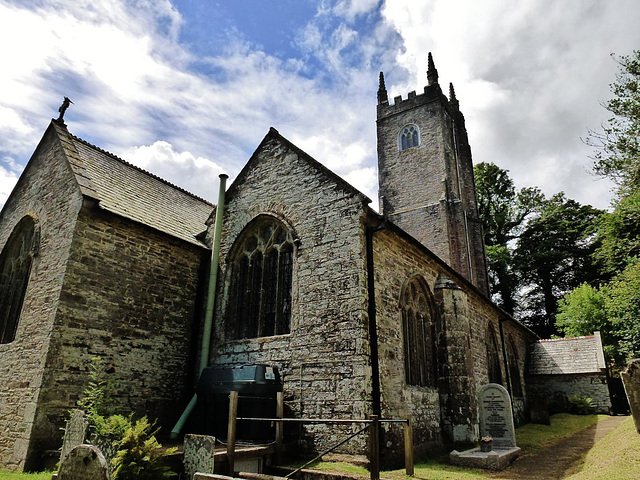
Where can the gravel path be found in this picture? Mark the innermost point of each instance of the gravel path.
(555, 463)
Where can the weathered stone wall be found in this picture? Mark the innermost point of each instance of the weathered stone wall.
(461, 342)
(324, 361)
(46, 190)
(557, 388)
(429, 190)
(129, 297)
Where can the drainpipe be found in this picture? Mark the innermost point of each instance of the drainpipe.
(373, 331)
(211, 297)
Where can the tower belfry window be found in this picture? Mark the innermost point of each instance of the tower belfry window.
(261, 271)
(409, 137)
(15, 268)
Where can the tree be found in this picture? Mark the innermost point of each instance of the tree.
(617, 153)
(612, 309)
(617, 157)
(554, 254)
(502, 210)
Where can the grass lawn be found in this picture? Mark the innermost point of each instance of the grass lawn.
(531, 438)
(616, 456)
(24, 476)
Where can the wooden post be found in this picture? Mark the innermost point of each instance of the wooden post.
(231, 432)
(408, 446)
(279, 427)
(374, 447)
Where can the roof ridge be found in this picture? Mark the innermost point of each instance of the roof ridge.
(544, 340)
(146, 172)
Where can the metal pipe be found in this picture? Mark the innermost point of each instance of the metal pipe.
(211, 296)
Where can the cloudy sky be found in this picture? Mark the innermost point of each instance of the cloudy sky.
(188, 88)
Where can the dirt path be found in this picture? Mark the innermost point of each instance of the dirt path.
(557, 461)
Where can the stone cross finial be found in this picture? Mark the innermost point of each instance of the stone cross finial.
(382, 91)
(432, 73)
(63, 108)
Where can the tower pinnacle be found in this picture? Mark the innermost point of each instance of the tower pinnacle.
(382, 91)
(453, 101)
(432, 73)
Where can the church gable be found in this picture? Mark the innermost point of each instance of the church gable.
(286, 206)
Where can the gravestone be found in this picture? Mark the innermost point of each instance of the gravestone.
(74, 432)
(631, 381)
(496, 416)
(84, 462)
(539, 411)
(198, 454)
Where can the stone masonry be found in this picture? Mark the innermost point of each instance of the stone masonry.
(46, 190)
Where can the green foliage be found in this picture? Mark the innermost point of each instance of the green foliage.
(137, 453)
(98, 393)
(139, 456)
(612, 309)
(618, 145)
(582, 312)
(554, 254)
(581, 405)
(503, 212)
(619, 233)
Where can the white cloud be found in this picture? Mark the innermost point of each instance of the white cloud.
(197, 175)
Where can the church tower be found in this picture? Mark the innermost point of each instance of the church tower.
(426, 176)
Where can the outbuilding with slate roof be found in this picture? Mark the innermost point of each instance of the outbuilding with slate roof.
(563, 367)
(111, 267)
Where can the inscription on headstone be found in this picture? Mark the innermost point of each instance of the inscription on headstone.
(84, 462)
(198, 454)
(74, 432)
(496, 416)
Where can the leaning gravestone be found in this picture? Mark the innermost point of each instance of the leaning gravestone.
(198, 454)
(74, 432)
(631, 381)
(496, 416)
(84, 462)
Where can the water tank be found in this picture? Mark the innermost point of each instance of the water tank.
(257, 387)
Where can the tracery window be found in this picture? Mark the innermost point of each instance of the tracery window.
(409, 137)
(260, 282)
(418, 333)
(493, 357)
(15, 267)
(514, 369)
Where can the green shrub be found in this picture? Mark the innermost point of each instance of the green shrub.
(581, 405)
(130, 446)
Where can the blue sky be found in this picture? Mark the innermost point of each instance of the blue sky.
(187, 89)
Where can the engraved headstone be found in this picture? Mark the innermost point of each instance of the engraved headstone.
(74, 432)
(84, 462)
(198, 454)
(631, 381)
(496, 416)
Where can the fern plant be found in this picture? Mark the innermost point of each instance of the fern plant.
(581, 404)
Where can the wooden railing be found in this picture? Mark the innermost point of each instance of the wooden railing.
(372, 424)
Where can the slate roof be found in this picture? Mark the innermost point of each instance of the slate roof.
(133, 193)
(567, 356)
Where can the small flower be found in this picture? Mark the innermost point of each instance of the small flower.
(486, 439)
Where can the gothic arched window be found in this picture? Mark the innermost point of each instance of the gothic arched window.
(514, 369)
(493, 358)
(408, 137)
(261, 269)
(418, 333)
(15, 267)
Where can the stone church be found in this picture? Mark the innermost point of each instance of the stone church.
(362, 312)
